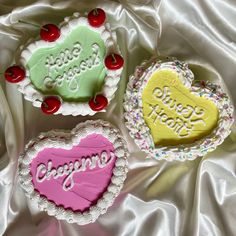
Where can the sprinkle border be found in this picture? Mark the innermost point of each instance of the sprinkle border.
(140, 132)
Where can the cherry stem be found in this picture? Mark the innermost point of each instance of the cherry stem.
(35, 25)
(44, 103)
(95, 12)
(94, 98)
(8, 73)
(113, 58)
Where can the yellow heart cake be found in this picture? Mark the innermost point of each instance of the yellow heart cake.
(171, 116)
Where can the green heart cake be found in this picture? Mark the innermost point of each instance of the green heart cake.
(74, 70)
(172, 116)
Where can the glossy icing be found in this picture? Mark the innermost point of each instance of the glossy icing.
(211, 97)
(85, 79)
(74, 178)
(73, 69)
(173, 114)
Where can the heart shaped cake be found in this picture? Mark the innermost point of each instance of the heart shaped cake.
(73, 69)
(172, 116)
(75, 176)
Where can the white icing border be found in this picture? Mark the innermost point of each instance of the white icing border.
(65, 140)
(140, 132)
(110, 81)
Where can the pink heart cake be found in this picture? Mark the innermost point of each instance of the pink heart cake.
(75, 175)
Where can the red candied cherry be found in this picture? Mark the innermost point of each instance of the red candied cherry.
(50, 33)
(98, 103)
(50, 105)
(14, 74)
(96, 17)
(114, 62)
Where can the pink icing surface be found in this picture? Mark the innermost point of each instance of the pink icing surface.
(89, 185)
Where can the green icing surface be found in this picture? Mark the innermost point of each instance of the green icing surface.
(85, 81)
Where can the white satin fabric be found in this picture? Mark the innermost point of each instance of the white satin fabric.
(159, 198)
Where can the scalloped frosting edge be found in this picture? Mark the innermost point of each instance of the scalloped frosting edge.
(51, 140)
(110, 81)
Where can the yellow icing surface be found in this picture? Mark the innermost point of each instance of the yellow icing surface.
(173, 114)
